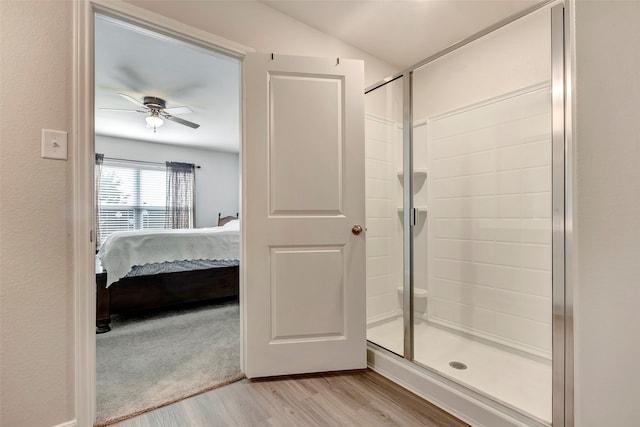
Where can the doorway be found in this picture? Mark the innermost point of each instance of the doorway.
(336, 88)
(167, 142)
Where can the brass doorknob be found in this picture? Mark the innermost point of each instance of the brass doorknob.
(356, 229)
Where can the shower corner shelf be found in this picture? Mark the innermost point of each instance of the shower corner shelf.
(422, 210)
(417, 173)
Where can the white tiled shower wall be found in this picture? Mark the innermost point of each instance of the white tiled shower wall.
(493, 266)
(383, 243)
(490, 220)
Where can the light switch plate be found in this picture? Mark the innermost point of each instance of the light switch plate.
(54, 144)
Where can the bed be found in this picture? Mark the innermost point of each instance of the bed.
(152, 269)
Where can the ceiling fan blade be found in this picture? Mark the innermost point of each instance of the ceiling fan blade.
(132, 99)
(178, 110)
(181, 121)
(123, 111)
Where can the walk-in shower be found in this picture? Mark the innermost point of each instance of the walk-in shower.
(462, 187)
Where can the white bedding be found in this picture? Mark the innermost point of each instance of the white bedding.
(124, 249)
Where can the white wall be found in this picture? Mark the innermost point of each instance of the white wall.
(265, 29)
(607, 146)
(509, 59)
(36, 291)
(217, 180)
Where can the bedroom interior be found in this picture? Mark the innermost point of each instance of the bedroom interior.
(167, 229)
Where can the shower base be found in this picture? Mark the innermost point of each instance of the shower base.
(518, 381)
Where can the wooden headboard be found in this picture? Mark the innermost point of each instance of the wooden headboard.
(223, 220)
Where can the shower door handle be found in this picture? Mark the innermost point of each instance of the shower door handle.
(356, 229)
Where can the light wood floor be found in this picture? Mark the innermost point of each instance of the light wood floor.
(355, 398)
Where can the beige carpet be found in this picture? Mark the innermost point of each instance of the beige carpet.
(146, 363)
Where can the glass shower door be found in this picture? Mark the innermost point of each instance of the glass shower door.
(384, 201)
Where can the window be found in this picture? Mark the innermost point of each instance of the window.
(132, 196)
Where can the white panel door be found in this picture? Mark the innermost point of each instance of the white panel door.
(303, 189)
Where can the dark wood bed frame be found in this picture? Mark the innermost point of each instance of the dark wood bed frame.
(135, 294)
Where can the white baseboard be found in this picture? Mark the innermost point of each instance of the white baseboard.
(71, 423)
(447, 395)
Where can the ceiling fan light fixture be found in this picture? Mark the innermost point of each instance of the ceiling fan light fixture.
(156, 107)
(154, 121)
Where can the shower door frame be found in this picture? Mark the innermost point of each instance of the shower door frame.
(562, 210)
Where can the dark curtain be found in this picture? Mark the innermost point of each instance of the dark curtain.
(180, 195)
(98, 176)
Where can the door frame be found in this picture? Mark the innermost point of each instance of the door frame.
(83, 149)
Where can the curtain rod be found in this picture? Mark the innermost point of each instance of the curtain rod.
(141, 161)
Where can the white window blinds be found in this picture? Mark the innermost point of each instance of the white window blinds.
(132, 196)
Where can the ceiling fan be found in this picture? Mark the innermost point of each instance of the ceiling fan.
(156, 110)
